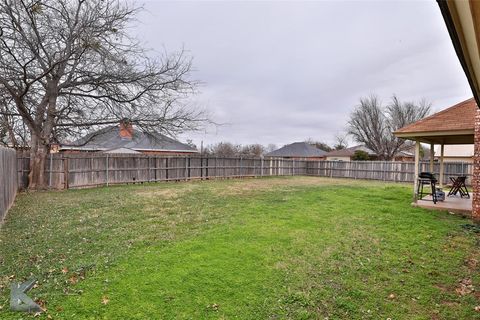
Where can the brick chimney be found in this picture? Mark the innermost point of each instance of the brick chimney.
(126, 129)
(476, 171)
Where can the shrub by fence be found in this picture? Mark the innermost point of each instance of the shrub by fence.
(95, 169)
(8, 179)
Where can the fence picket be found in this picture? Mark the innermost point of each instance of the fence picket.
(9, 179)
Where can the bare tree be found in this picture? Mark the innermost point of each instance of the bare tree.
(67, 67)
(270, 147)
(224, 149)
(341, 141)
(319, 144)
(373, 124)
(252, 150)
(228, 149)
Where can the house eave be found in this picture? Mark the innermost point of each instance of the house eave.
(440, 137)
(462, 19)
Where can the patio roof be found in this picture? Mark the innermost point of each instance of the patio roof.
(454, 125)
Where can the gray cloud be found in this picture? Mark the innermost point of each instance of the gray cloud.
(278, 72)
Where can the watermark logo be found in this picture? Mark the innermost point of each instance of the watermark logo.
(19, 301)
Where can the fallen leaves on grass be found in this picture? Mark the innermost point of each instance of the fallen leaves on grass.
(471, 263)
(465, 287)
(65, 270)
(213, 307)
(105, 300)
(73, 279)
(42, 303)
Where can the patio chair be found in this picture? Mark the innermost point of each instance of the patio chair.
(427, 178)
(458, 186)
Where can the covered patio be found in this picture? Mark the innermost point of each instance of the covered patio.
(454, 125)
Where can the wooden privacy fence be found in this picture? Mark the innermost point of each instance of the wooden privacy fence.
(87, 170)
(8, 179)
(385, 170)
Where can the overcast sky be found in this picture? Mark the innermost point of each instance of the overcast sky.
(280, 72)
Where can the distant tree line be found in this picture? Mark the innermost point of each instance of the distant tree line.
(228, 149)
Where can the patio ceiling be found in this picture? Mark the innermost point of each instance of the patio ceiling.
(452, 137)
(454, 125)
(462, 18)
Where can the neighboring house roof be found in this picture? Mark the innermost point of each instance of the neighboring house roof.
(411, 153)
(297, 149)
(459, 150)
(458, 117)
(121, 150)
(109, 138)
(349, 152)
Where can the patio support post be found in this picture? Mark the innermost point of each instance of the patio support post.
(476, 171)
(442, 167)
(417, 161)
(432, 155)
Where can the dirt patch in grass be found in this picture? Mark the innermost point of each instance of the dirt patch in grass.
(168, 192)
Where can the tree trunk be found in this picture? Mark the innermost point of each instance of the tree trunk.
(38, 159)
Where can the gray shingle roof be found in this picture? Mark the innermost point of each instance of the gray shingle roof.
(297, 149)
(109, 138)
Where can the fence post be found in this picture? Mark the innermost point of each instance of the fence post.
(65, 173)
(206, 169)
(91, 165)
(166, 168)
(149, 170)
(106, 170)
(189, 167)
(50, 171)
(261, 166)
(253, 171)
(241, 168)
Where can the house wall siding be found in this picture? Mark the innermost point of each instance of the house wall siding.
(338, 158)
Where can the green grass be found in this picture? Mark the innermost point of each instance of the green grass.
(273, 248)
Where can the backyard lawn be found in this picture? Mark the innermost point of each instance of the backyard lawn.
(272, 248)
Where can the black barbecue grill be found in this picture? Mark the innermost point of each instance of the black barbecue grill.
(427, 178)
